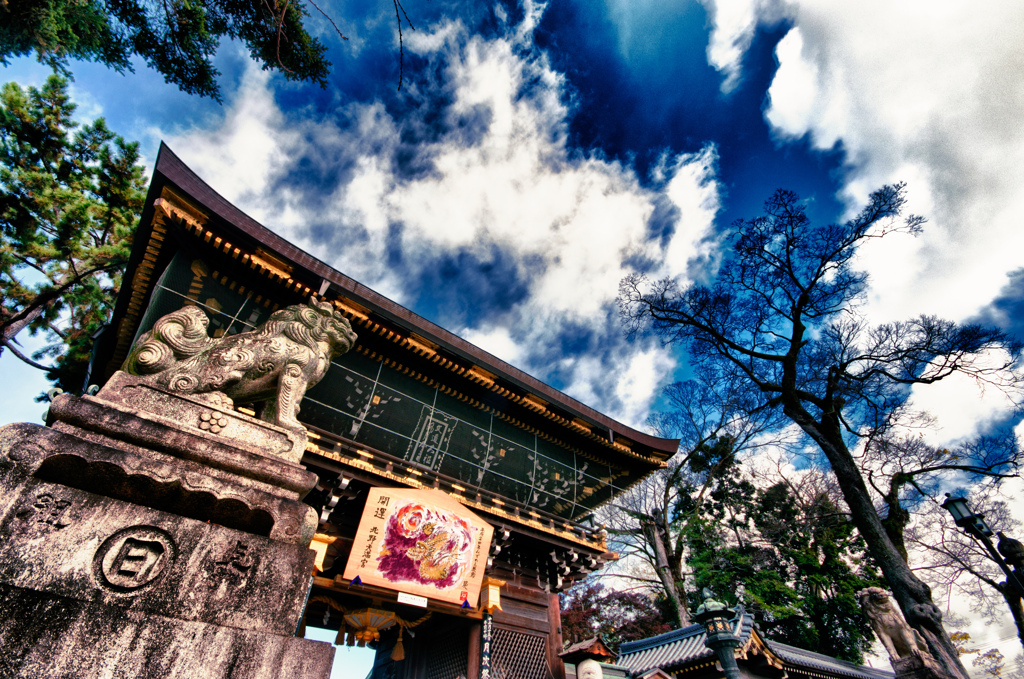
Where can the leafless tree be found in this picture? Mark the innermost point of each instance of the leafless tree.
(715, 421)
(957, 563)
(783, 315)
(904, 470)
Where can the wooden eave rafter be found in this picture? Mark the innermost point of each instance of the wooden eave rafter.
(139, 285)
(483, 381)
(756, 646)
(381, 467)
(684, 669)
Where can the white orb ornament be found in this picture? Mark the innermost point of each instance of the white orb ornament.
(589, 669)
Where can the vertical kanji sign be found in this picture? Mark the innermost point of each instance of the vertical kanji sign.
(486, 639)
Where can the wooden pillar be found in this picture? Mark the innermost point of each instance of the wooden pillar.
(473, 671)
(555, 638)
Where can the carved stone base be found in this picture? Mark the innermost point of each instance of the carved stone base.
(202, 416)
(89, 547)
(45, 635)
(917, 667)
(132, 545)
(160, 481)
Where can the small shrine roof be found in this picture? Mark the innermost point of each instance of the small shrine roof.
(673, 649)
(594, 648)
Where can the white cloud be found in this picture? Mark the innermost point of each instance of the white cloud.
(794, 105)
(498, 178)
(640, 383)
(240, 156)
(963, 407)
(694, 191)
(426, 42)
(497, 341)
(733, 24)
(931, 95)
(637, 381)
(926, 92)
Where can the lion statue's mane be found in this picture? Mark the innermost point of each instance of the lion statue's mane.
(270, 366)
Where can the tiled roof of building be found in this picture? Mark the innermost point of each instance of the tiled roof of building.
(672, 649)
(676, 649)
(594, 647)
(826, 663)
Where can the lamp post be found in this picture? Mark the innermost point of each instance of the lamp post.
(975, 526)
(718, 626)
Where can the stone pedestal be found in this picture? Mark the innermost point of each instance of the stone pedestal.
(139, 540)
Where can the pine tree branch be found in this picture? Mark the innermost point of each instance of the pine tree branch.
(10, 328)
(14, 350)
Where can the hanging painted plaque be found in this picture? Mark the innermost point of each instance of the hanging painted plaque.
(421, 542)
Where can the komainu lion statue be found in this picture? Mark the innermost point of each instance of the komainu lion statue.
(899, 639)
(272, 365)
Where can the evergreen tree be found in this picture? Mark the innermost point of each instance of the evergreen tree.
(793, 555)
(69, 204)
(178, 37)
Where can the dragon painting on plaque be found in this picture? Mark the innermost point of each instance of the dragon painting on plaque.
(425, 545)
(422, 542)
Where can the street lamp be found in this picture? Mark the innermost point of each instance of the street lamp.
(718, 626)
(964, 518)
(975, 526)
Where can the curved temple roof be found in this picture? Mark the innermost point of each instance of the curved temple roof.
(171, 172)
(185, 215)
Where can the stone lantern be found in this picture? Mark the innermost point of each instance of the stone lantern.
(717, 619)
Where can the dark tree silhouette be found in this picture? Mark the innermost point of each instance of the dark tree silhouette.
(905, 471)
(589, 609)
(783, 317)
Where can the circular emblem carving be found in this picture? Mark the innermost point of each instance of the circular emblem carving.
(213, 422)
(133, 557)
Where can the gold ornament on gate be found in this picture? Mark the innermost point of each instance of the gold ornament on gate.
(368, 623)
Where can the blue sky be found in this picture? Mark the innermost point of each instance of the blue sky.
(536, 153)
